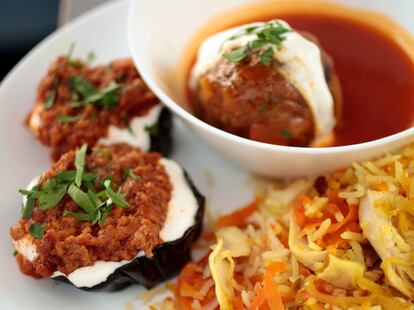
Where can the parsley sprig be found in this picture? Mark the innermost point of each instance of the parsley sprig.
(152, 130)
(79, 185)
(270, 35)
(85, 93)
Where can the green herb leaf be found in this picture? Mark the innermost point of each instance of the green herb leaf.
(105, 178)
(51, 193)
(84, 217)
(97, 217)
(128, 173)
(286, 133)
(70, 51)
(106, 214)
(69, 176)
(76, 104)
(37, 230)
(130, 131)
(89, 186)
(34, 192)
(270, 33)
(80, 164)
(50, 99)
(52, 94)
(82, 200)
(258, 43)
(70, 60)
(31, 196)
(237, 55)
(152, 130)
(95, 200)
(90, 57)
(68, 118)
(15, 253)
(251, 29)
(107, 97)
(82, 86)
(116, 198)
(28, 209)
(267, 56)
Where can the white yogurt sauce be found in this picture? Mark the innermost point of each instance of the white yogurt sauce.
(34, 121)
(182, 209)
(183, 205)
(139, 137)
(301, 65)
(90, 276)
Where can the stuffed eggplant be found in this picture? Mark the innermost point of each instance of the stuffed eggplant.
(107, 217)
(77, 104)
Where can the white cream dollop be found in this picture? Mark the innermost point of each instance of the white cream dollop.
(301, 65)
(137, 136)
(182, 207)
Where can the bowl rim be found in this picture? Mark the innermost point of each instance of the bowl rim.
(193, 120)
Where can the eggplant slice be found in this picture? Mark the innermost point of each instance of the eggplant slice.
(161, 140)
(169, 258)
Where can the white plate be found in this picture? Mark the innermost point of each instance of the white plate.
(22, 157)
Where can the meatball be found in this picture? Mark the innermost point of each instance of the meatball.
(257, 101)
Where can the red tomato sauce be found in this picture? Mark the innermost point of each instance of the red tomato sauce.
(376, 75)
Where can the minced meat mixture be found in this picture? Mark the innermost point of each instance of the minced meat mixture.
(68, 113)
(69, 244)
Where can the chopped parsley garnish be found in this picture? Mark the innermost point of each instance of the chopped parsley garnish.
(63, 118)
(107, 97)
(152, 130)
(74, 63)
(286, 133)
(90, 57)
(116, 198)
(267, 56)
(15, 253)
(80, 187)
(50, 99)
(238, 54)
(128, 127)
(80, 164)
(37, 230)
(81, 86)
(31, 195)
(52, 94)
(128, 173)
(86, 93)
(70, 50)
(51, 194)
(271, 34)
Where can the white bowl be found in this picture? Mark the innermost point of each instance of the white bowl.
(159, 32)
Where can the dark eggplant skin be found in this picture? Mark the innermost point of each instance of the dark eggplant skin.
(161, 142)
(168, 259)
